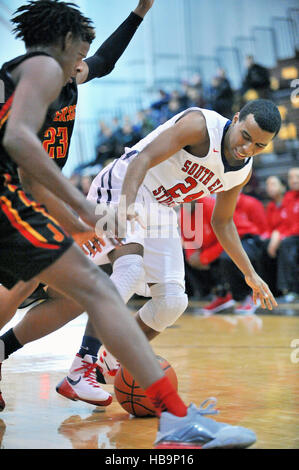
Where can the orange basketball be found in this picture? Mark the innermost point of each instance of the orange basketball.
(132, 397)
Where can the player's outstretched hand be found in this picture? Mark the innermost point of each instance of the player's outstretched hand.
(261, 291)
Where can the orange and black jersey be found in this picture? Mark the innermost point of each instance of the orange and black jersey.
(59, 124)
(57, 129)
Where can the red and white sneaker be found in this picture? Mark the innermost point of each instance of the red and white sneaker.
(107, 367)
(247, 307)
(2, 402)
(81, 383)
(218, 304)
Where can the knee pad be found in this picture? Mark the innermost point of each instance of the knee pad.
(167, 304)
(127, 272)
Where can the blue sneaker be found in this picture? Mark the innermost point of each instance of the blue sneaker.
(194, 431)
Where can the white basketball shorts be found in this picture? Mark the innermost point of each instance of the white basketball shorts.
(163, 254)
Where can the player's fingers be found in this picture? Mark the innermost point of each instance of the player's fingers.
(91, 248)
(84, 249)
(141, 222)
(132, 222)
(98, 243)
(262, 300)
(255, 296)
(270, 300)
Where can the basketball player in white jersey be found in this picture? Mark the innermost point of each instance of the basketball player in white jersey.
(194, 154)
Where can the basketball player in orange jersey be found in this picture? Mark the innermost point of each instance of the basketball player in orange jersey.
(32, 243)
(56, 134)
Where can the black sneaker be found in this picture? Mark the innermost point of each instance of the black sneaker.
(38, 294)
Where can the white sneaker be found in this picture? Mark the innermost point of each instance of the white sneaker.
(107, 367)
(81, 383)
(247, 307)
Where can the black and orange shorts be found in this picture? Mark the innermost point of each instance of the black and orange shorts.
(30, 239)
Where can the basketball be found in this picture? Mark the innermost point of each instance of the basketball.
(132, 397)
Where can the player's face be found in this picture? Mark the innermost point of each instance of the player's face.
(293, 179)
(247, 138)
(75, 51)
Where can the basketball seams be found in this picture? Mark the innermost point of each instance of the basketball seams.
(138, 404)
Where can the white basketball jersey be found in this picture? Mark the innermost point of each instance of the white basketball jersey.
(181, 178)
(184, 177)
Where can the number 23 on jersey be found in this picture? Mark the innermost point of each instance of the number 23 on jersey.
(56, 142)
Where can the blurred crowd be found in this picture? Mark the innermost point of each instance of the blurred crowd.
(270, 236)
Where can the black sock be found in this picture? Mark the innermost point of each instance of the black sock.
(11, 344)
(90, 346)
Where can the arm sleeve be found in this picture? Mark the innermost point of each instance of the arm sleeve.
(105, 58)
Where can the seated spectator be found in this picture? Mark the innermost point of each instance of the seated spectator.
(286, 242)
(199, 263)
(257, 79)
(275, 191)
(125, 136)
(222, 95)
(250, 221)
(144, 123)
(163, 100)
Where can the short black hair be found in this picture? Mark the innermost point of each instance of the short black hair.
(46, 22)
(265, 112)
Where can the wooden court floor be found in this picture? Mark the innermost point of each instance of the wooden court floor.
(250, 364)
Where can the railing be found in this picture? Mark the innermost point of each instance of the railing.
(293, 13)
(230, 61)
(265, 46)
(285, 31)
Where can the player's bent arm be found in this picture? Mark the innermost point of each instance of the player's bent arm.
(40, 82)
(226, 231)
(60, 211)
(190, 130)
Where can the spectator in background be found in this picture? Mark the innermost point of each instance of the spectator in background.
(285, 245)
(105, 145)
(230, 287)
(258, 79)
(275, 190)
(193, 93)
(163, 100)
(125, 136)
(200, 263)
(144, 123)
(174, 105)
(222, 95)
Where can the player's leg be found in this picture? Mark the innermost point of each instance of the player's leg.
(164, 268)
(116, 328)
(43, 319)
(127, 272)
(11, 299)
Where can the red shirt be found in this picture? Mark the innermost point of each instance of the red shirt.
(273, 213)
(249, 218)
(289, 224)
